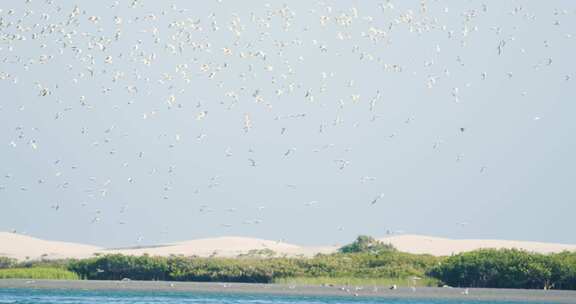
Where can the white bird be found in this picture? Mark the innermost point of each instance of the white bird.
(311, 203)
(201, 137)
(201, 115)
(367, 178)
(501, 47)
(377, 198)
(228, 152)
(247, 122)
(289, 151)
(342, 163)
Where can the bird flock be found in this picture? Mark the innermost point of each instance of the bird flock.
(149, 121)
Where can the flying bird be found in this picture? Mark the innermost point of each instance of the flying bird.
(377, 198)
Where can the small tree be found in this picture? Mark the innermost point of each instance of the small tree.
(6, 262)
(364, 243)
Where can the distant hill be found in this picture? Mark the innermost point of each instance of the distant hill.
(24, 247)
(443, 246)
(225, 247)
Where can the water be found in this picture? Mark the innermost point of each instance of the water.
(28, 296)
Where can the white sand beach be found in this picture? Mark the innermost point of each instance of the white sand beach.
(24, 247)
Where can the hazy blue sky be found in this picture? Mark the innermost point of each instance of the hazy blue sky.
(125, 122)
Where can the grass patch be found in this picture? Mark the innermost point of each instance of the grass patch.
(38, 273)
(401, 282)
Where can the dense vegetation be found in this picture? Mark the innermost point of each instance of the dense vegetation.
(365, 261)
(258, 270)
(38, 273)
(508, 268)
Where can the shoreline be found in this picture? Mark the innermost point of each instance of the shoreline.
(552, 296)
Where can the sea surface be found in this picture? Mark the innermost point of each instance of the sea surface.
(40, 296)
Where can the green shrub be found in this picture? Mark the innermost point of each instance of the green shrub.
(366, 243)
(118, 267)
(254, 269)
(508, 268)
(38, 273)
(6, 262)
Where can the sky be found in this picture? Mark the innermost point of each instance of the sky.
(142, 122)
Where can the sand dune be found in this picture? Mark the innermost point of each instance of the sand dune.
(225, 247)
(442, 246)
(24, 247)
